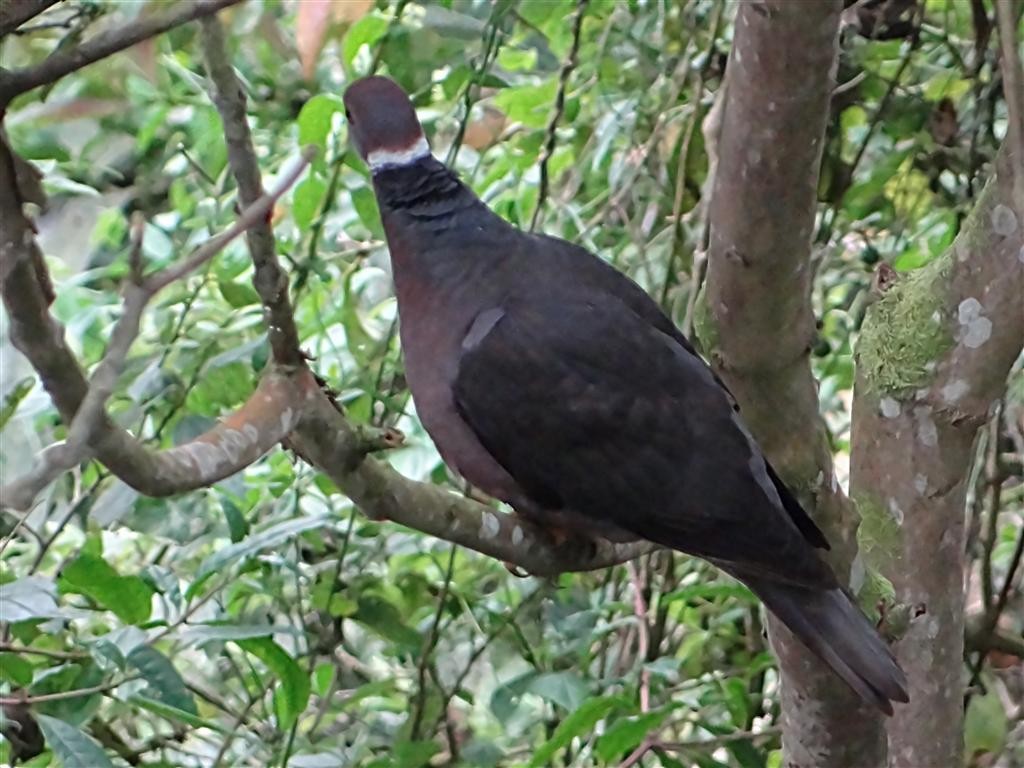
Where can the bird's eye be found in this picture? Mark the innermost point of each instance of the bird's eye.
(348, 115)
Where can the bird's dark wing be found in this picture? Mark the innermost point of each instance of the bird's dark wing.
(592, 409)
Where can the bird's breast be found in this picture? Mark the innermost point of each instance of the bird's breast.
(432, 326)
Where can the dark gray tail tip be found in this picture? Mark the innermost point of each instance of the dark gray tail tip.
(882, 692)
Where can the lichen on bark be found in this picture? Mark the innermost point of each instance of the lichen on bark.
(906, 331)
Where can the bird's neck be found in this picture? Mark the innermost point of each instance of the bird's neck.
(423, 190)
(434, 224)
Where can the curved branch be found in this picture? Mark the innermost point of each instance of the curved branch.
(18, 81)
(230, 446)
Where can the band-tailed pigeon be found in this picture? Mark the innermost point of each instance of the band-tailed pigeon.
(553, 382)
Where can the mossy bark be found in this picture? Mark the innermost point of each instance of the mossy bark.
(933, 355)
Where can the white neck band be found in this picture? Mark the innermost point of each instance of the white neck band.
(386, 158)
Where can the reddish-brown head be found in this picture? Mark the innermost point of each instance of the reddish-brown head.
(383, 124)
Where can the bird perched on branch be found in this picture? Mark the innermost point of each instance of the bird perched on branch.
(551, 381)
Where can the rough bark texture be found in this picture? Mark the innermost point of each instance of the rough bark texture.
(757, 323)
(934, 354)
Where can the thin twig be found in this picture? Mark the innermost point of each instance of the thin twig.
(556, 113)
(27, 651)
(643, 637)
(395, 20)
(491, 46)
(18, 81)
(6, 701)
(428, 648)
(1007, 588)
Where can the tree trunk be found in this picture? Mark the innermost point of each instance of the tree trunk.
(757, 323)
(932, 358)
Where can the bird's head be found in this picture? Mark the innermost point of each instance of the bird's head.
(383, 124)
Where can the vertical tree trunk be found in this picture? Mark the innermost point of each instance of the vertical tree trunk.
(757, 323)
(933, 355)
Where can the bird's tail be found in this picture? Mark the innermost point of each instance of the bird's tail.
(830, 624)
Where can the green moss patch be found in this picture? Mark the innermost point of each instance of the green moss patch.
(905, 331)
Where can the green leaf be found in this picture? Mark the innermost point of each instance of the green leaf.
(323, 676)
(566, 689)
(61, 679)
(292, 695)
(32, 597)
(13, 399)
(238, 294)
(385, 619)
(165, 684)
(985, 725)
(127, 596)
(414, 754)
(365, 204)
(15, 670)
(736, 702)
(238, 526)
(200, 634)
(626, 733)
(253, 545)
(168, 712)
(367, 31)
(306, 201)
(315, 119)
(383, 688)
(580, 722)
(72, 747)
(528, 104)
(156, 245)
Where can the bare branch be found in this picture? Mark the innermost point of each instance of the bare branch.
(270, 281)
(18, 81)
(14, 13)
(556, 114)
(326, 439)
(256, 214)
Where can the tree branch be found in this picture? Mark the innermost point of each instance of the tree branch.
(18, 81)
(757, 322)
(327, 440)
(270, 280)
(14, 13)
(230, 446)
(556, 113)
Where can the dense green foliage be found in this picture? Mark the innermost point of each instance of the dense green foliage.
(265, 621)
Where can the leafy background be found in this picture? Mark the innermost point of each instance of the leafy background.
(264, 621)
